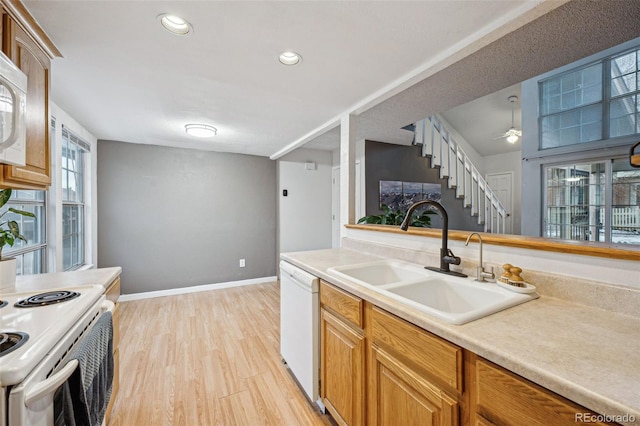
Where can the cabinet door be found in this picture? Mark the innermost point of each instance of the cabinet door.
(505, 398)
(343, 365)
(25, 53)
(403, 397)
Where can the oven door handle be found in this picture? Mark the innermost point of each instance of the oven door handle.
(54, 382)
(108, 306)
(51, 384)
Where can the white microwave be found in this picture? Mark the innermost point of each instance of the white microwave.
(13, 104)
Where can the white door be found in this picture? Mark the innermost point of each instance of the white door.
(502, 186)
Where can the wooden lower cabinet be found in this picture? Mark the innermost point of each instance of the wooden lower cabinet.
(504, 398)
(402, 397)
(342, 376)
(342, 355)
(378, 369)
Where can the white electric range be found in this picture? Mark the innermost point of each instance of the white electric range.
(38, 330)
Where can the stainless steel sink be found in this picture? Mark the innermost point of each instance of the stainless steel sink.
(451, 299)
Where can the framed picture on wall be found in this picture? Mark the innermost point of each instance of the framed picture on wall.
(400, 195)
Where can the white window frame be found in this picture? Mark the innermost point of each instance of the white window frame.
(79, 174)
(534, 159)
(54, 195)
(19, 252)
(605, 101)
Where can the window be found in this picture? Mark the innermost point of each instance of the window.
(572, 107)
(625, 205)
(596, 102)
(72, 188)
(624, 105)
(30, 255)
(593, 201)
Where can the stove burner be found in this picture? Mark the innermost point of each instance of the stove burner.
(44, 299)
(11, 340)
(3, 303)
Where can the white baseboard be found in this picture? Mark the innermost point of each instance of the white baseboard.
(194, 289)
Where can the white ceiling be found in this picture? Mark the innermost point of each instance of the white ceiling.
(125, 78)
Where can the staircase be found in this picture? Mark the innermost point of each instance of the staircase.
(456, 168)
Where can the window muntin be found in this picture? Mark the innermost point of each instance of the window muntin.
(575, 198)
(30, 255)
(571, 107)
(596, 102)
(72, 189)
(625, 205)
(624, 87)
(593, 201)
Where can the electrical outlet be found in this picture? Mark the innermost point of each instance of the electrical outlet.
(242, 264)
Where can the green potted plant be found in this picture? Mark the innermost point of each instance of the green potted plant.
(9, 233)
(390, 217)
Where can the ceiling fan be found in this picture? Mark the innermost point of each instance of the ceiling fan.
(512, 134)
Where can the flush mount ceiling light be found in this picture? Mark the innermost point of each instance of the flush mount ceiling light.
(175, 24)
(289, 58)
(512, 134)
(200, 130)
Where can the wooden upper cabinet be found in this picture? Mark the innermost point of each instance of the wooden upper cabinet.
(29, 48)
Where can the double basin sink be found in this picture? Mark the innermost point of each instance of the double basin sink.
(451, 299)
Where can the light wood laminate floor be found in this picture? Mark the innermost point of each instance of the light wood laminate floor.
(208, 358)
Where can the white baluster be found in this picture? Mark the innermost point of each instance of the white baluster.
(419, 134)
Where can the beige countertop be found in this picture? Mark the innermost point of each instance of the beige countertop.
(588, 355)
(41, 282)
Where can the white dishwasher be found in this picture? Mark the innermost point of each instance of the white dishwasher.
(299, 327)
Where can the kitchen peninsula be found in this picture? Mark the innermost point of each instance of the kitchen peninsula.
(585, 355)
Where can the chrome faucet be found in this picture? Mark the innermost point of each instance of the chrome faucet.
(481, 274)
(446, 255)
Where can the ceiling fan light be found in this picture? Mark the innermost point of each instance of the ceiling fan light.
(513, 134)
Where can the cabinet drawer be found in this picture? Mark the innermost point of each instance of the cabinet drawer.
(505, 398)
(113, 291)
(347, 305)
(426, 353)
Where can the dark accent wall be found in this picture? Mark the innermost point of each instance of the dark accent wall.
(385, 161)
(174, 217)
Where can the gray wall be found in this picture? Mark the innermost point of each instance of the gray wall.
(405, 163)
(175, 217)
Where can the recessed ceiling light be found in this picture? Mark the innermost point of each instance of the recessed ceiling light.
(175, 24)
(200, 130)
(289, 58)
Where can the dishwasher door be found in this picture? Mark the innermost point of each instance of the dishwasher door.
(299, 327)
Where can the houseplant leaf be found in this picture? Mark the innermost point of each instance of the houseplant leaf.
(10, 230)
(5, 194)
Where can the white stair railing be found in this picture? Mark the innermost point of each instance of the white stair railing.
(456, 167)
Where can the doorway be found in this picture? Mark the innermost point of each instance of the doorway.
(502, 185)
